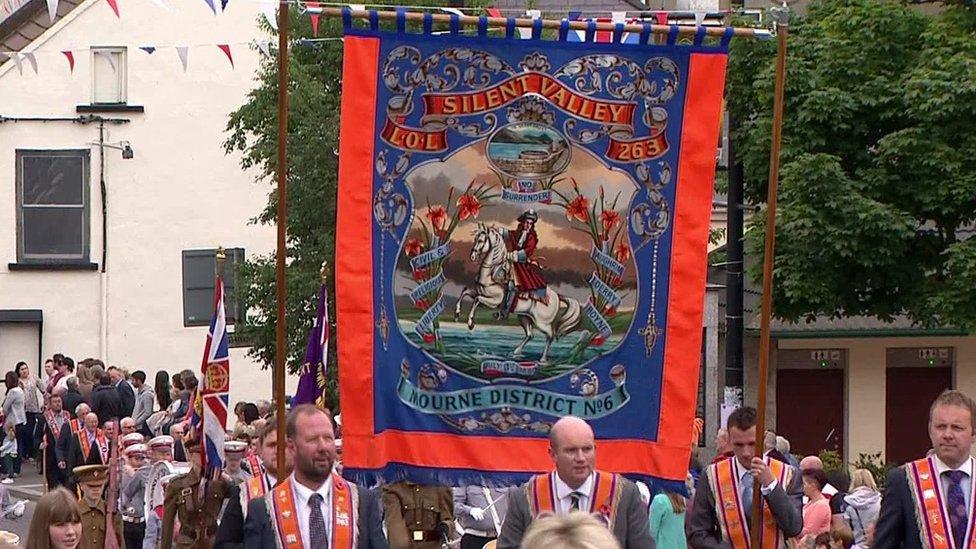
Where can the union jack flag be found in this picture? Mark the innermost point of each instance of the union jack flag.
(209, 415)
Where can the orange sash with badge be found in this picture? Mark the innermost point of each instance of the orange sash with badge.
(728, 506)
(100, 439)
(345, 502)
(254, 466)
(541, 493)
(933, 528)
(75, 425)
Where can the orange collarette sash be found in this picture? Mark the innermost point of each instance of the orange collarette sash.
(254, 466)
(933, 518)
(75, 425)
(728, 506)
(100, 439)
(345, 503)
(49, 417)
(541, 493)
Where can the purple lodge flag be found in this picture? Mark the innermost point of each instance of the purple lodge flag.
(311, 386)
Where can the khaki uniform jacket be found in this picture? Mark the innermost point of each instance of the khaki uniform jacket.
(93, 526)
(413, 512)
(197, 515)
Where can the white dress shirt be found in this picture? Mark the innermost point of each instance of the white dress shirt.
(967, 481)
(302, 493)
(564, 503)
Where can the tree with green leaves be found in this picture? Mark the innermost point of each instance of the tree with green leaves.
(877, 196)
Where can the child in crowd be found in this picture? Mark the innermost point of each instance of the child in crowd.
(8, 455)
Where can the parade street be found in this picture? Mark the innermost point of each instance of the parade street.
(30, 487)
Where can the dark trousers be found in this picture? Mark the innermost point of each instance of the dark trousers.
(11, 465)
(133, 534)
(55, 476)
(469, 541)
(25, 437)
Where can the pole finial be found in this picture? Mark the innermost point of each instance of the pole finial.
(220, 257)
(325, 271)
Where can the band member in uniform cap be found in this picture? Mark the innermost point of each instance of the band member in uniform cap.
(233, 455)
(195, 501)
(161, 448)
(91, 481)
(314, 507)
(928, 503)
(55, 441)
(132, 500)
(417, 517)
(720, 516)
(230, 533)
(576, 486)
(131, 439)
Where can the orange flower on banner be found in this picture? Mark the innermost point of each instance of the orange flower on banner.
(622, 252)
(413, 247)
(609, 218)
(578, 208)
(437, 216)
(468, 206)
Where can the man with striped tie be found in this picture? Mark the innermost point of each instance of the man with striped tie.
(929, 502)
(575, 486)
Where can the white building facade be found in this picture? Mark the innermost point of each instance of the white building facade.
(127, 279)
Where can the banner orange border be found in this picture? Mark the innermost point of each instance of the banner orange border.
(667, 458)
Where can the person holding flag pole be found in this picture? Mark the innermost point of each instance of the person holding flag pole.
(195, 499)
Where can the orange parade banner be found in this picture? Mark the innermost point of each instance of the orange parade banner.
(464, 104)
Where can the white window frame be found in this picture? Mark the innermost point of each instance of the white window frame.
(121, 74)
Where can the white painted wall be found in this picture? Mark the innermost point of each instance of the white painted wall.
(179, 192)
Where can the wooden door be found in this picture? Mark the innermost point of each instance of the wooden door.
(810, 409)
(909, 394)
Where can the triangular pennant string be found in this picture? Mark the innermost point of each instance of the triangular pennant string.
(114, 4)
(494, 12)
(314, 16)
(210, 4)
(71, 59)
(148, 49)
(160, 4)
(20, 68)
(699, 18)
(183, 52)
(32, 60)
(223, 4)
(265, 47)
(52, 9)
(662, 17)
(226, 49)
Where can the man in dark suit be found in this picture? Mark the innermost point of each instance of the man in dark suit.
(90, 446)
(54, 438)
(782, 494)
(126, 394)
(313, 496)
(948, 471)
(576, 485)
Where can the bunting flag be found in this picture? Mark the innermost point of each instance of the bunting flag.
(314, 16)
(210, 4)
(29, 56)
(312, 385)
(223, 4)
(661, 17)
(108, 57)
(52, 9)
(270, 10)
(215, 384)
(226, 49)
(160, 4)
(71, 59)
(264, 47)
(531, 14)
(148, 49)
(20, 67)
(183, 52)
(114, 4)
(598, 157)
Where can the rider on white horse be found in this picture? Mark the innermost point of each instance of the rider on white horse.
(521, 244)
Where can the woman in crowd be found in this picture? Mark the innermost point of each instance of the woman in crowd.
(14, 413)
(56, 523)
(668, 520)
(33, 406)
(251, 413)
(162, 388)
(86, 380)
(816, 512)
(573, 531)
(863, 504)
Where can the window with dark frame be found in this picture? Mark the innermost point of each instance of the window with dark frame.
(198, 285)
(53, 206)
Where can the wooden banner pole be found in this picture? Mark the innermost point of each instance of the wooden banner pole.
(502, 22)
(281, 345)
(782, 28)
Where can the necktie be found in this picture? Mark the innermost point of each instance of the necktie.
(956, 506)
(317, 534)
(574, 501)
(747, 495)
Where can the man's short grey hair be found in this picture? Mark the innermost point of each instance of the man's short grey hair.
(264, 406)
(81, 407)
(72, 383)
(782, 445)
